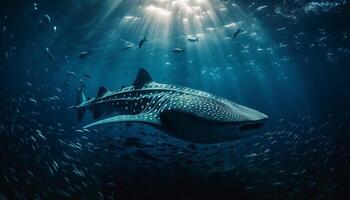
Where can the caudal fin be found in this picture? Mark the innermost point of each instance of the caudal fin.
(80, 100)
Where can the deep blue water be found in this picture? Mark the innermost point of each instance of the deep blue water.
(290, 61)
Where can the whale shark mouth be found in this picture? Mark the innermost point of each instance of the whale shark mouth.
(251, 126)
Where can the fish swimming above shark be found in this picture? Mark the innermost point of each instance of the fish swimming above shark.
(141, 43)
(185, 113)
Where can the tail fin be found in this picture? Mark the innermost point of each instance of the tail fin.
(80, 100)
(197, 39)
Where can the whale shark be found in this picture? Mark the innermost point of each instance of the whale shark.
(188, 114)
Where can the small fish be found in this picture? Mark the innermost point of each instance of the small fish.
(67, 84)
(71, 73)
(142, 42)
(261, 7)
(193, 39)
(33, 100)
(81, 81)
(236, 33)
(40, 134)
(128, 45)
(83, 54)
(253, 155)
(210, 29)
(178, 50)
(87, 76)
(49, 54)
(47, 19)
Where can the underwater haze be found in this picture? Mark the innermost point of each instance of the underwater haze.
(289, 60)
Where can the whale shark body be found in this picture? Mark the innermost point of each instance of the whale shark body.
(185, 113)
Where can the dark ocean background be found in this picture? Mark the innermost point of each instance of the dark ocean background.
(291, 61)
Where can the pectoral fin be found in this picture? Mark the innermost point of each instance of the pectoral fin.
(140, 118)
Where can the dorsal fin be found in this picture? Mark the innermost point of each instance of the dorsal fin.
(142, 78)
(101, 91)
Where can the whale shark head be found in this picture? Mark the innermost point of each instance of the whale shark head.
(210, 120)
